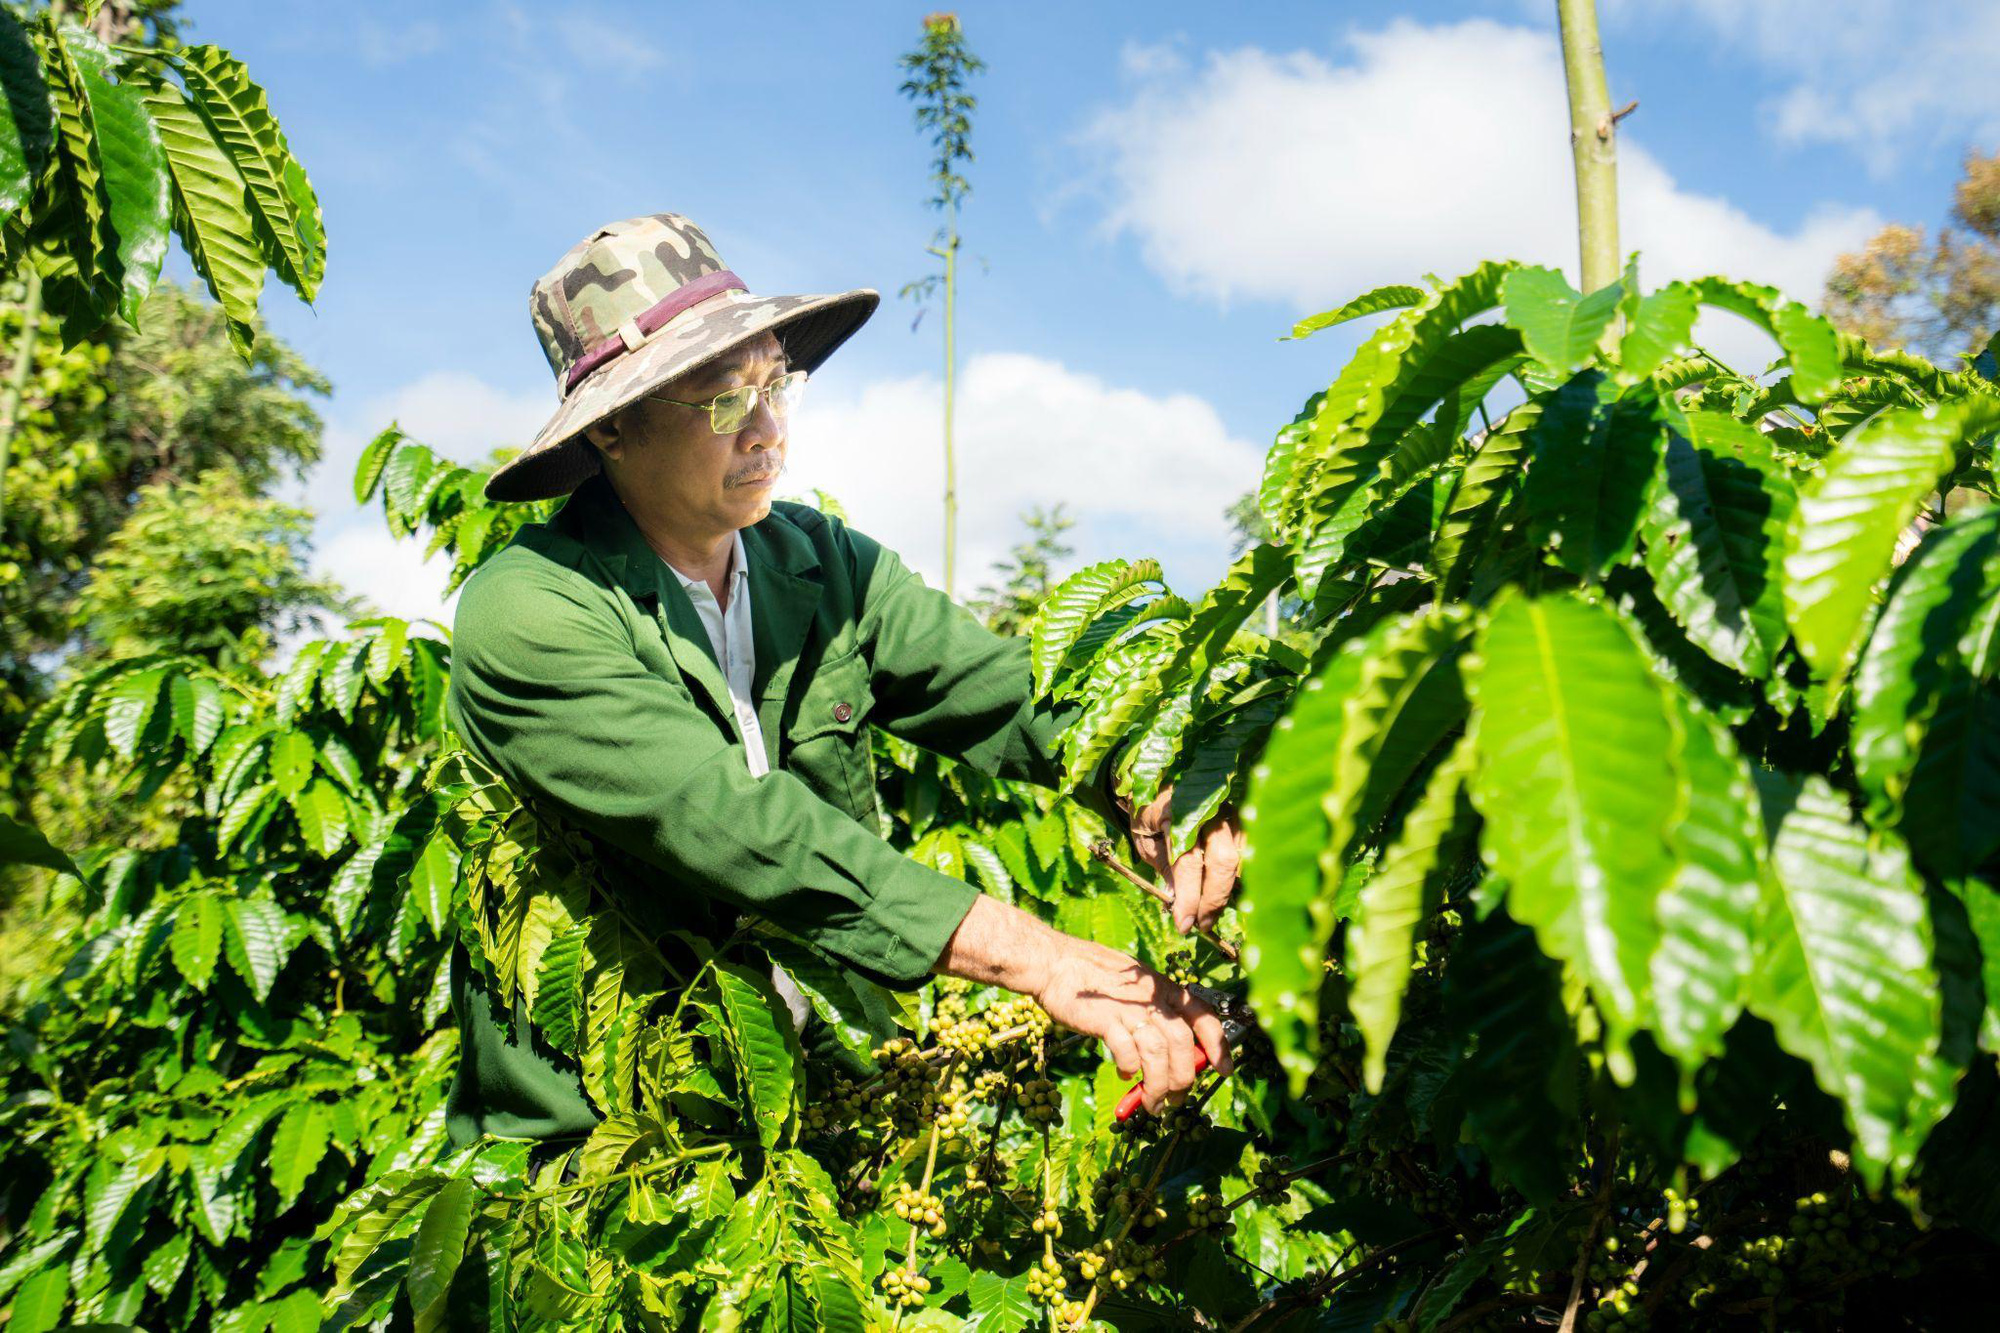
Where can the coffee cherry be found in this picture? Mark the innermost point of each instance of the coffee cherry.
(1207, 1212)
(1039, 1100)
(905, 1286)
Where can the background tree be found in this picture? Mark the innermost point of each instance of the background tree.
(937, 84)
(148, 527)
(102, 421)
(1939, 298)
(105, 147)
(1025, 576)
(208, 568)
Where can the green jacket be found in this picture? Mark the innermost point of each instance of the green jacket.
(582, 675)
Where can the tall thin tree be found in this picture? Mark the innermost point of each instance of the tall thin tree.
(938, 70)
(1593, 137)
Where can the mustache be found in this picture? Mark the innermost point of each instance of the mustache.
(758, 474)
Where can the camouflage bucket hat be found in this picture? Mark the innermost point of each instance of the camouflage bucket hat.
(632, 306)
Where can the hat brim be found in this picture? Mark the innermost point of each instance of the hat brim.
(559, 458)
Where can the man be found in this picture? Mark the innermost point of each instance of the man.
(686, 670)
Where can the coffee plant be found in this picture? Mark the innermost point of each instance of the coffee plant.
(251, 1027)
(1620, 888)
(1619, 921)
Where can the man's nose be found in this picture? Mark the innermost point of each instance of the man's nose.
(763, 429)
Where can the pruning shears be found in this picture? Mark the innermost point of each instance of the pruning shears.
(1237, 1020)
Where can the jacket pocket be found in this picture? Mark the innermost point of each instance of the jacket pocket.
(827, 744)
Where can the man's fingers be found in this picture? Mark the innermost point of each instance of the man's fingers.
(1149, 830)
(1156, 1064)
(1124, 1051)
(1180, 1059)
(1218, 876)
(1207, 1027)
(1185, 880)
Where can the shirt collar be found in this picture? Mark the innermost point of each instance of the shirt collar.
(738, 564)
(591, 520)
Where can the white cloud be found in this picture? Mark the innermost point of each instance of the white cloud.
(453, 411)
(1883, 76)
(389, 571)
(1290, 177)
(1143, 475)
(456, 413)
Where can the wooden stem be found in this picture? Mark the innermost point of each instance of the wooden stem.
(17, 378)
(1593, 138)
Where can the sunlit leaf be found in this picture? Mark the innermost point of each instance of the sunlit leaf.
(1843, 533)
(1577, 788)
(1401, 894)
(1393, 297)
(1715, 535)
(1560, 326)
(1843, 973)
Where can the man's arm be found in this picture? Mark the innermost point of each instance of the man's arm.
(944, 681)
(544, 684)
(1149, 1023)
(947, 683)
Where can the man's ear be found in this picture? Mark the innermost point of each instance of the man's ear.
(604, 435)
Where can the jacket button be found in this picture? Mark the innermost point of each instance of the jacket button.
(841, 712)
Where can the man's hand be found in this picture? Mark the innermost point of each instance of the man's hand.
(1149, 1023)
(1204, 877)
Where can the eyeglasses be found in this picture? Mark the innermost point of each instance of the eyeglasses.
(728, 410)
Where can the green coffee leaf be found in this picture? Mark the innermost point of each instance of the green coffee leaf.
(434, 878)
(1078, 600)
(297, 1145)
(136, 180)
(1658, 331)
(24, 845)
(1595, 450)
(1844, 975)
(1398, 898)
(1393, 297)
(1915, 653)
(760, 1031)
(1843, 534)
(1708, 910)
(1560, 326)
(1577, 786)
(286, 214)
(27, 123)
(214, 223)
(440, 1247)
(1715, 538)
(1286, 918)
(197, 938)
(558, 1004)
(254, 942)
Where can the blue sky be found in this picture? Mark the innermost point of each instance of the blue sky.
(1160, 191)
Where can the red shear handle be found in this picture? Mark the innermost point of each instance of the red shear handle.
(1131, 1100)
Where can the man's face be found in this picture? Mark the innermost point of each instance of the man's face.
(688, 473)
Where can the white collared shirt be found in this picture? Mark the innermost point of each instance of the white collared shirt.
(729, 634)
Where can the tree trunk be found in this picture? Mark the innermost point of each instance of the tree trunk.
(1593, 137)
(950, 473)
(17, 378)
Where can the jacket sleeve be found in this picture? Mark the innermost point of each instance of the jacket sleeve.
(545, 686)
(944, 681)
